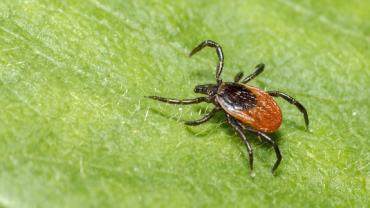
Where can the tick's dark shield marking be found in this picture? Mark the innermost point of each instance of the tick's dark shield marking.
(236, 97)
(246, 107)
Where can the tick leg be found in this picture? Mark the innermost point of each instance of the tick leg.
(292, 101)
(219, 52)
(180, 102)
(272, 142)
(239, 130)
(205, 118)
(259, 70)
(238, 77)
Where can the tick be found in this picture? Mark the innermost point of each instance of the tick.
(246, 107)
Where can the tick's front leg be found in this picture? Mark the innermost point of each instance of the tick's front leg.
(180, 101)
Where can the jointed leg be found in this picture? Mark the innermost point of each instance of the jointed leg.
(180, 102)
(259, 70)
(239, 130)
(272, 142)
(205, 118)
(292, 101)
(219, 52)
(238, 77)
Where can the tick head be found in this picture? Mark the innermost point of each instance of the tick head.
(207, 89)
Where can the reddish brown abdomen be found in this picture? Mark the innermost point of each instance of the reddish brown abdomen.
(259, 110)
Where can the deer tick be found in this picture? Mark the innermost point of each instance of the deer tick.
(245, 107)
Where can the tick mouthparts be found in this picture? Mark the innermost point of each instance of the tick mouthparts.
(207, 89)
(201, 89)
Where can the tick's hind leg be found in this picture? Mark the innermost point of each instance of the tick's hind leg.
(270, 141)
(178, 101)
(292, 101)
(219, 52)
(205, 118)
(239, 129)
(259, 70)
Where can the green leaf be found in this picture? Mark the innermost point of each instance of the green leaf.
(76, 130)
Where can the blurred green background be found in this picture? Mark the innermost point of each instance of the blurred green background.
(75, 130)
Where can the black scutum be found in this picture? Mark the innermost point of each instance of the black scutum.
(237, 96)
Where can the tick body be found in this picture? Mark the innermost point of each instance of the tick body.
(250, 106)
(246, 108)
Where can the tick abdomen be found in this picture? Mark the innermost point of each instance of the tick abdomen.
(251, 106)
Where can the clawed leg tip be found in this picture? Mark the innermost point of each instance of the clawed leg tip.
(274, 168)
(273, 172)
(253, 174)
(192, 52)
